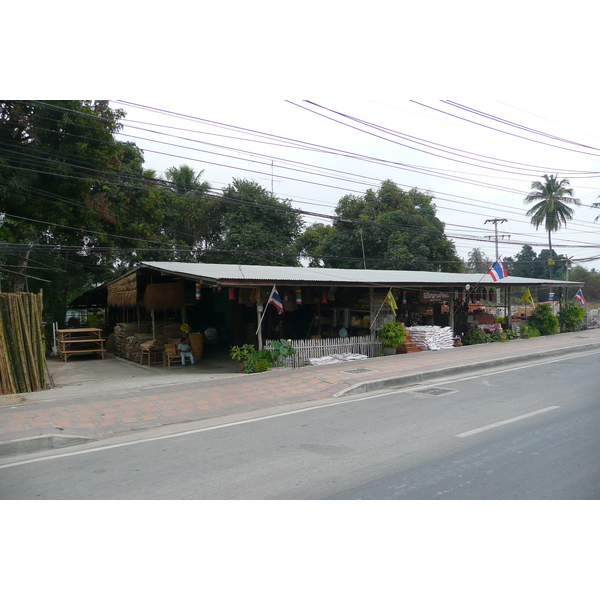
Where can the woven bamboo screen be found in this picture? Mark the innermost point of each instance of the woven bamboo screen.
(161, 296)
(123, 293)
(22, 345)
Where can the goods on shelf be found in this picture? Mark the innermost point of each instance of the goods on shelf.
(431, 337)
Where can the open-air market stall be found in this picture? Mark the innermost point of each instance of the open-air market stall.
(251, 304)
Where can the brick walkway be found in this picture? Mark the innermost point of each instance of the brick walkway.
(90, 410)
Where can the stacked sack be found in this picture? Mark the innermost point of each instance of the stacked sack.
(431, 337)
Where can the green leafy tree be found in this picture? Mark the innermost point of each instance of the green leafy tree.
(256, 228)
(551, 209)
(389, 228)
(309, 244)
(193, 217)
(71, 194)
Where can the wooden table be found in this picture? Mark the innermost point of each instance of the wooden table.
(151, 356)
(85, 340)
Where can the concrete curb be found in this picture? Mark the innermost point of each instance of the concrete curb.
(389, 382)
(45, 442)
(41, 442)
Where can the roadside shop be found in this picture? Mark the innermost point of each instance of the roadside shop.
(250, 304)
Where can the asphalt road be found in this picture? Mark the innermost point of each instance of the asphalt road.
(527, 432)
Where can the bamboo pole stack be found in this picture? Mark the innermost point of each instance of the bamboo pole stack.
(22, 344)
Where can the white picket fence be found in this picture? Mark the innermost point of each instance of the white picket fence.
(592, 319)
(368, 345)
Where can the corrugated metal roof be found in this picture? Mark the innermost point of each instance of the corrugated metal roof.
(256, 274)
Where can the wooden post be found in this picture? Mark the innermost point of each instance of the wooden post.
(259, 321)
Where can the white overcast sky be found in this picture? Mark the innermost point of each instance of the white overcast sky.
(237, 63)
(477, 168)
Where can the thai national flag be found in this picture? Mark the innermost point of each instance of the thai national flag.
(276, 301)
(579, 297)
(497, 271)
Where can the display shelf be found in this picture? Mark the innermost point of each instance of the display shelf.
(85, 340)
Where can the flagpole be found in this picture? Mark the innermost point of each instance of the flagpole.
(258, 329)
(375, 319)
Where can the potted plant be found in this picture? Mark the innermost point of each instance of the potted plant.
(392, 334)
(241, 354)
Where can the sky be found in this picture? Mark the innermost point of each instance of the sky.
(477, 157)
(254, 66)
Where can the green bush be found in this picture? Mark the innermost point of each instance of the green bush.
(477, 336)
(571, 317)
(543, 320)
(281, 348)
(241, 353)
(528, 331)
(257, 363)
(392, 334)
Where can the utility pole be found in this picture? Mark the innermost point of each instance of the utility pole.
(495, 222)
(362, 243)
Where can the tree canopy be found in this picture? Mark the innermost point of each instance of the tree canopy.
(387, 228)
(551, 209)
(257, 228)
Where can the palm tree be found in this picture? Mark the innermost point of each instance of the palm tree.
(552, 197)
(183, 179)
(478, 262)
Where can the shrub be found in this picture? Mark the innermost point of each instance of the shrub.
(257, 363)
(477, 336)
(241, 353)
(543, 320)
(528, 331)
(281, 348)
(571, 317)
(392, 334)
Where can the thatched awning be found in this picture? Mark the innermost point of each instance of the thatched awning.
(164, 295)
(123, 293)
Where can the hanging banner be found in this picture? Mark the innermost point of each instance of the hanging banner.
(434, 296)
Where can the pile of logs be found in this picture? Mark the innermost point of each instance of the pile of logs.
(129, 342)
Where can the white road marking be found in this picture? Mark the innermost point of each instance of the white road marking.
(506, 421)
(424, 385)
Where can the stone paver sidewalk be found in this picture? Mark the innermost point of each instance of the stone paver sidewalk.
(101, 409)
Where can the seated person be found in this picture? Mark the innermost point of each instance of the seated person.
(184, 350)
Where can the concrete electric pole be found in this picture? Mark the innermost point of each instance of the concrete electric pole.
(495, 222)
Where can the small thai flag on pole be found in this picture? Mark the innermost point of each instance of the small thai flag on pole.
(275, 300)
(579, 297)
(497, 271)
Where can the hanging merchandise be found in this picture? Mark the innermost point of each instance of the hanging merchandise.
(198, 291)
(404, 300)
(299, 297)
(232, 293)
(484, 294)
(492, 295)
(323, 296)
(289, 302)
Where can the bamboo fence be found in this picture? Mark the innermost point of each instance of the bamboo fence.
(370, 346)
(22, 344)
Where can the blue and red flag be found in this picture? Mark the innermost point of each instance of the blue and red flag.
(497, 271)
(579, 297)
(276, 300)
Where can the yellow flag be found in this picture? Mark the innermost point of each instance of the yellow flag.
(389, 299)
(526, 297)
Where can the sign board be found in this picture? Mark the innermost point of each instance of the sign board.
(434, 296)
